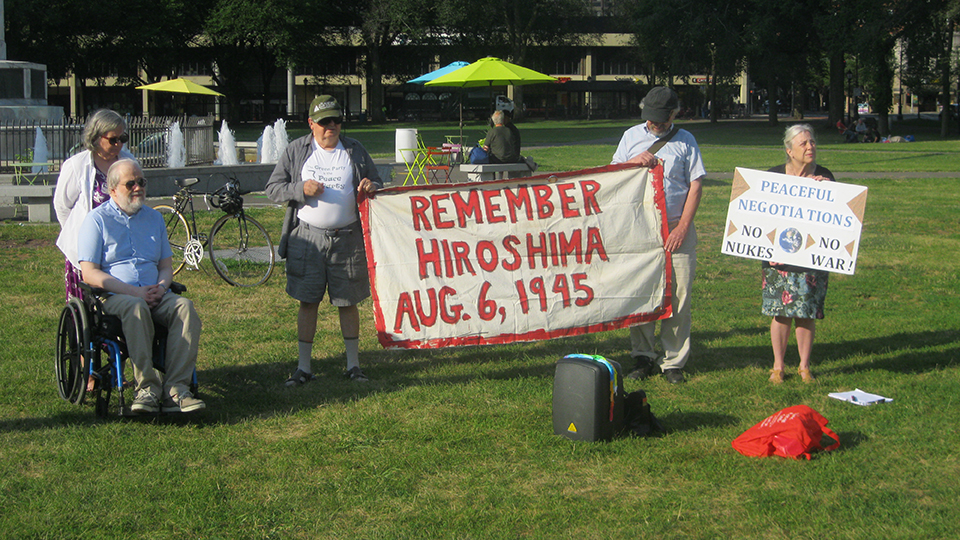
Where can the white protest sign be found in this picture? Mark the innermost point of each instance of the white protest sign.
(517, 260)
(794, 220)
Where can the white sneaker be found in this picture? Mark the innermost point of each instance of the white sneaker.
(184, 402)
(145, 402)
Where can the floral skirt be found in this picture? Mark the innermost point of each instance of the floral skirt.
(794, 294)
(72, 280)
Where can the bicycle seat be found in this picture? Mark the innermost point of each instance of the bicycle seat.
(186, 182)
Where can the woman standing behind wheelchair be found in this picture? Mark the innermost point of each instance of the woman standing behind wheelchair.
(795, 295)
(81, 187)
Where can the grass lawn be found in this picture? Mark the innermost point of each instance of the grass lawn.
(457, 443)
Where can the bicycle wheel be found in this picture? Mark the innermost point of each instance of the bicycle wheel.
(178, 232)
(241, 251)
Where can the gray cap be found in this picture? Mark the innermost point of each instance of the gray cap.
(658, 104)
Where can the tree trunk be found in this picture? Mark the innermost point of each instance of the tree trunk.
(836, 95)
(374, 79)
(945, 81)
(772, 107)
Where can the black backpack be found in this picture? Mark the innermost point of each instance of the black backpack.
(638, 420)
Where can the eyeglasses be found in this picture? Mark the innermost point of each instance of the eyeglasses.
(115, 140)
(327, 122)
(140, 181)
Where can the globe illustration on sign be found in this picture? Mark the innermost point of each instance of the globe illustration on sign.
(791, 240)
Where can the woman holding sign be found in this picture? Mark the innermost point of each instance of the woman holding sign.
(794, 295)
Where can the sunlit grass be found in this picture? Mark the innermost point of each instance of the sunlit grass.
(457, 443)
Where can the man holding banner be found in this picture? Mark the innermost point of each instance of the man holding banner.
(683, 172)
(319, 177)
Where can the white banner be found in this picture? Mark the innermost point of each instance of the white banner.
(794, 220)
(517, 260)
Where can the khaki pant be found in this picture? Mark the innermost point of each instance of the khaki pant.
(180, 318)
(675, 331)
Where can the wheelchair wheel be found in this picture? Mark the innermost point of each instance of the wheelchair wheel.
(241, 250)
(73, 338)
(178, 232)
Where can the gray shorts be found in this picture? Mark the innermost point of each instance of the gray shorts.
(321, 260)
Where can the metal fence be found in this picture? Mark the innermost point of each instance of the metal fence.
(148, 140)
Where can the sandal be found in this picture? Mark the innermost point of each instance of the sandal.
(776, 376)
(805, 375)
(355, 375)
(299, 378)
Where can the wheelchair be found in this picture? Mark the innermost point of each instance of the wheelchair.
(85, 334)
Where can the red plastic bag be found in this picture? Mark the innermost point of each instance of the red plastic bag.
(791, 433)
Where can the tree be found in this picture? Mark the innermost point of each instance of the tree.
(252, 35)
(781, 45)
(380, 25)
(709, 40)
(162, 35)
(511, 29)
(65, 36)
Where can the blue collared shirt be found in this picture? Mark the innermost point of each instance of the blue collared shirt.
(682, 163)
(128, 248)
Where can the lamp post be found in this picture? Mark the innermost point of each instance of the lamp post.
(306, 101)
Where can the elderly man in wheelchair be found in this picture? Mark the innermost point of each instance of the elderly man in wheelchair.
(125, 255)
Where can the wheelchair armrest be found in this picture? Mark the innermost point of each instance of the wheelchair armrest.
(176, 287)
(91, 290)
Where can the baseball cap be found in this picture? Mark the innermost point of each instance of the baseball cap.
(324, 106)
(659, 102)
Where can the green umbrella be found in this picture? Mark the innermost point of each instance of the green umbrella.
(489, 72)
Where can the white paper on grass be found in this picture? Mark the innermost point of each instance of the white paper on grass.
(859, 397)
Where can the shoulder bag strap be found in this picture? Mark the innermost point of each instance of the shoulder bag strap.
(663, 140)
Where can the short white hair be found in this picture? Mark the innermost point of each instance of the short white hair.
(791, 133)
(115, 171)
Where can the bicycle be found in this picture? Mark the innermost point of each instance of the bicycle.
(239, 247)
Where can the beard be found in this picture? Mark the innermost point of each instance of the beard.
(661, 132)
(131, 204)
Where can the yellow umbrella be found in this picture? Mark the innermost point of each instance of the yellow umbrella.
(180, 86)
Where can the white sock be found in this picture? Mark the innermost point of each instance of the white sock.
(353, 352)
(305, 353)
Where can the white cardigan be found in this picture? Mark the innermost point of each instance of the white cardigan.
(73, 199)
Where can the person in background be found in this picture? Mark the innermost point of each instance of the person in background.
(319, 177)
(794, 296)
(683, 174)
(508, 122)
(500, 143)
(123, 248)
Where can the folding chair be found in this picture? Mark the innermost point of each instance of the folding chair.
(438, 164)
(416, 166)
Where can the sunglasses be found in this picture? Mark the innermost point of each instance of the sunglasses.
(327, 122)
(115, 140)
(135, 182)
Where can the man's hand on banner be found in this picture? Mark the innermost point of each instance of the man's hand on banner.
(367, 186)
(365, 190)
(644, 159)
